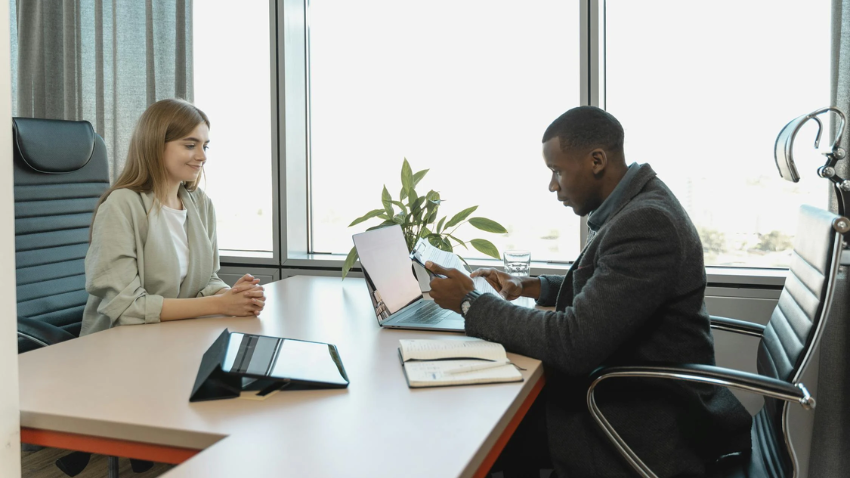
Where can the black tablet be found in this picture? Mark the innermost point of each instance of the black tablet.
(296, 361)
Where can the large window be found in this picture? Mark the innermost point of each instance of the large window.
(231, 76)
(465, 89)
(462, 88)
(702, 89)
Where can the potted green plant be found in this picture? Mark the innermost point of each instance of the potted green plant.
(417, 216)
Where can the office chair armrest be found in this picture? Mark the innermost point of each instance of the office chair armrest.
(708, 374)
(737, 326)
(713, 375)
(41, 333)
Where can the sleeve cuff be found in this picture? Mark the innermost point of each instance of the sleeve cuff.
(546, 297)
(212, 288)
(153, 308)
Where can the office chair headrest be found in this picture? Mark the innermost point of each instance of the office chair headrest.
(783, 148)
(53, 146)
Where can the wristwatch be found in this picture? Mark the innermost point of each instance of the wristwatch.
(467, 301)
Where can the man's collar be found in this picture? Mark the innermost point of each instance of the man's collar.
(600, 215)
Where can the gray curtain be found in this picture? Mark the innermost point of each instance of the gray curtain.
(104, 61)
(830, 453)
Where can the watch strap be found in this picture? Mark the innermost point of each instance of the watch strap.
(469, 298)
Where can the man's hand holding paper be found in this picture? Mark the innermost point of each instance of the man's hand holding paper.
(424, 252)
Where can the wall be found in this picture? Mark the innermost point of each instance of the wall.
(10, 449)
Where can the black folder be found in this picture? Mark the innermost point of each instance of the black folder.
(235, 359)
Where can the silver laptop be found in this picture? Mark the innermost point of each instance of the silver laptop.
(393, 287)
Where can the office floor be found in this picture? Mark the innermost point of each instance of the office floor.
(39, 464)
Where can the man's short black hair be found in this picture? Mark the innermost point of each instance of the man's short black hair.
(586, 127)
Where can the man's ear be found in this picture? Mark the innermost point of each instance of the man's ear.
(600, 160)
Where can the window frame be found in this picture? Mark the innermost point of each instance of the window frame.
(291, 167)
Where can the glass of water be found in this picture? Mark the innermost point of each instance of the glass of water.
(517, 263)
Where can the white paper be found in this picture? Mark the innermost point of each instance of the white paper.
(426, 252)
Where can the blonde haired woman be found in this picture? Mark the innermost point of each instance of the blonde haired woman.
(153, 255)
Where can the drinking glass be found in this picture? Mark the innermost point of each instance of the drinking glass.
(517, 263)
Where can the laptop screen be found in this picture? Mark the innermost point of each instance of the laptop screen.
(383, 253)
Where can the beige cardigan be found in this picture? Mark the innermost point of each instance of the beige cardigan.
(131, 264)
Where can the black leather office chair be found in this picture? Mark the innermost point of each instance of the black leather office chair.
(786, 345)
(60, 170)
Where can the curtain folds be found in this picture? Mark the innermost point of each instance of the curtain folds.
(104, 61)
(830, 452)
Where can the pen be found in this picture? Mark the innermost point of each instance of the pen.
(478, 366)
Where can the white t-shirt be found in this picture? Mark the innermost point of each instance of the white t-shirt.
(176, 221)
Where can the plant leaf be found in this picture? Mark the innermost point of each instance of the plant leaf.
(366, 217)
(399, 218)
(431, 217)
(460, 216)
(459, 242)
(424, 232)
(412, 197)
(416, 207)
(418, 176)
(401, 205)
(406, 177)
(447, 246)
(486, 247)
(387, 200)
(487, 225)
(349, 261)
(402, 194)
(440, 224)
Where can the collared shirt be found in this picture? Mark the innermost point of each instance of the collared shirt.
(597, 217)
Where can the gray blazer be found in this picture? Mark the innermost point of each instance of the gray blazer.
(131, 264)
(634, 296)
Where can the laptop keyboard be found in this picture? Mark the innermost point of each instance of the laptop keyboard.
(426, 315)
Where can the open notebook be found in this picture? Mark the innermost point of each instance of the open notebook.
(439, 363)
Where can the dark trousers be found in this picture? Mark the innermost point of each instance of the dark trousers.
(527, 452)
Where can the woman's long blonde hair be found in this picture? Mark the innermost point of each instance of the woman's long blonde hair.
(144, 171)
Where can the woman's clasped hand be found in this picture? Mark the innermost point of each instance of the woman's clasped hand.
(246, 297)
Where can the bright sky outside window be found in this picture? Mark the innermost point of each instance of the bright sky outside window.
(703, 89)
(465, 89)
(231, 71)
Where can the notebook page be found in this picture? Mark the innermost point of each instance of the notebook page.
(424, 374)
(423, 349)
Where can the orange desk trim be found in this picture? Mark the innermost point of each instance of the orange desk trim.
(107, 446)
(176, 455)
(488, 462)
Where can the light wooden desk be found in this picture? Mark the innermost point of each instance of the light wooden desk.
(125, 391)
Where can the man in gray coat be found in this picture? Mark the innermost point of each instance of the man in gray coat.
(635, 295)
